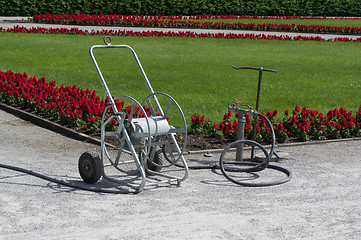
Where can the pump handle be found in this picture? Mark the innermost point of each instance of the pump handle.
(256, 68)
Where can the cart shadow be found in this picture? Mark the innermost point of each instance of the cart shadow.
(247, 177)
(102, 187)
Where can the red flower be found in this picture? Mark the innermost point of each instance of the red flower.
(197, 119)
(91, 119)
(297, 108)
(227, 116)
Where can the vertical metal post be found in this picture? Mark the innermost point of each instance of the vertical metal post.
(257, 105)
(240, 136)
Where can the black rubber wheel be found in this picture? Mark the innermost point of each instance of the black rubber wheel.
(157, 164)
(90, 167)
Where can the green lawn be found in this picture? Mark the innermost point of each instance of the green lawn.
(197, 72)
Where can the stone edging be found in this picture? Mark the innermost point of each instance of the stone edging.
(286, 144)
(45, 123)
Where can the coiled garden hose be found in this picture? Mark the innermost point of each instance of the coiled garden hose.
(64, 183)
(255, 167)
(287, 172)
(265, 184)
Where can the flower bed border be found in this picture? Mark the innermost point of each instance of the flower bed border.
(303, 125)
(153, 33)
(188, 22)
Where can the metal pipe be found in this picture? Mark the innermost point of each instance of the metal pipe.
(240, 136)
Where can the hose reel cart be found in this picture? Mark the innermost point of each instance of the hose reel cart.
(141, 130)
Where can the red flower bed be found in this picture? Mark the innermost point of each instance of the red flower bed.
(73, 31)
(130, 18)
(264, 17)
(304, 124)
(71, 106)
(185, 22)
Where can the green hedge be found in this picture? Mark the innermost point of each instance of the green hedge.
(350, 8)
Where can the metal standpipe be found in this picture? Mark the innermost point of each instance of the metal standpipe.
(240, 136)
(260, 71)
(241, 165)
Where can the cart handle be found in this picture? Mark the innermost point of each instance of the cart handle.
(108, 44)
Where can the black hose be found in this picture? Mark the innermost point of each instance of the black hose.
(256, 167)
(263, 184)
(54, 180)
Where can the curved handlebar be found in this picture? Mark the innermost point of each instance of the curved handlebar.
(256, 68)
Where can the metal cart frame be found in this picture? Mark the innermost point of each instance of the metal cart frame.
(143, 136)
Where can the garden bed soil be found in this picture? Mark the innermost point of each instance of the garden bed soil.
(200, 142)
(195, 142)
